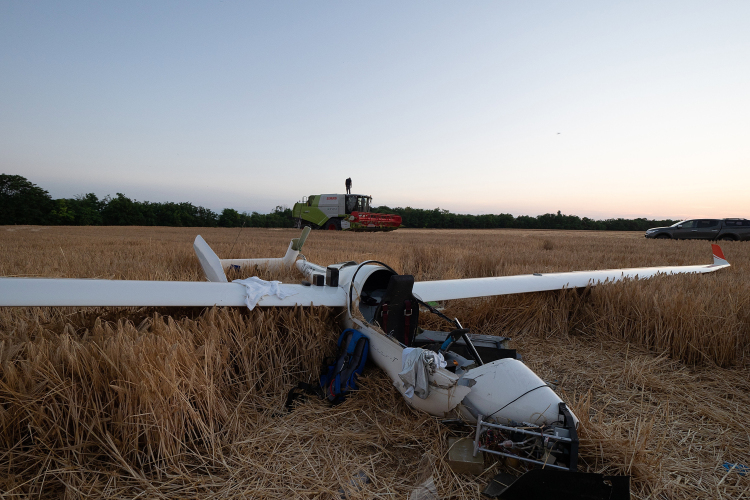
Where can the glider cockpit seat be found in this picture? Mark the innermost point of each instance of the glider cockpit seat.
(398, 311)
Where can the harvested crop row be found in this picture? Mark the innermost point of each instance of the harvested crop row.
(186, 403)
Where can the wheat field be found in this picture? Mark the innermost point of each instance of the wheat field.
(189, 402)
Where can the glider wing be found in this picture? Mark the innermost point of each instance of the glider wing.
(540, 282)
(127, 293)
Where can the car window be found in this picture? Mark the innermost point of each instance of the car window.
(688, 224)
(704, 223)
(737, 222)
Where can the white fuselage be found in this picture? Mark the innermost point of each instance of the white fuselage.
(504, 390)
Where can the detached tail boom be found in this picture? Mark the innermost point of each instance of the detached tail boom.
(272, 264)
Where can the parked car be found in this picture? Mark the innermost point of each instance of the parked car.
(704, 229)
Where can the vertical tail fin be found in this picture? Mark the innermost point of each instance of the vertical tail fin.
(298, 242)
(295, 246)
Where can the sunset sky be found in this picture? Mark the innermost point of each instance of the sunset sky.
(598, 109)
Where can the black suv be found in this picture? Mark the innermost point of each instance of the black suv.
(704, 229)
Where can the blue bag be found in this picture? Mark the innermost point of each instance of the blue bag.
(340, 376)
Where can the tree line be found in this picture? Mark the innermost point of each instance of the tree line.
(443, 219)
(22, 202)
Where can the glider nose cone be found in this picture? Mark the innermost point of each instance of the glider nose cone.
(507, 389)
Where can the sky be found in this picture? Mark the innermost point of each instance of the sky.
(596, 109)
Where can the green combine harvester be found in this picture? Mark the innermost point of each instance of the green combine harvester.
(337, 212)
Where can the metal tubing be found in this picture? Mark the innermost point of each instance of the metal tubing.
(518, 457)
(477, 433)
(570, 425)
(524, 431)
(478, 448)
(472, 349)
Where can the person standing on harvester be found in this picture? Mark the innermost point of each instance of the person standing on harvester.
(348, 185)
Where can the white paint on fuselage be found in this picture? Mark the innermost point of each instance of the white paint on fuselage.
(506, 389)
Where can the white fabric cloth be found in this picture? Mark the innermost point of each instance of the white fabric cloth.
(417, 365)
(440, 361)
(257, 288)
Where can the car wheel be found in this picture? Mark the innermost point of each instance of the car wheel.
(662, 236)
(726, 237)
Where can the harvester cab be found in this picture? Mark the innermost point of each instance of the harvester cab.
(348, 212)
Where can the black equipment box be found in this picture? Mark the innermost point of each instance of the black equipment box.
(489, 347)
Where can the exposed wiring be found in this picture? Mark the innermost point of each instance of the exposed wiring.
(435, 311)
(519, 397)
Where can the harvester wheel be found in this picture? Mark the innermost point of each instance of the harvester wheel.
(333, 225)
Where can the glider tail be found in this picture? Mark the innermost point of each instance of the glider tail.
(272, 264)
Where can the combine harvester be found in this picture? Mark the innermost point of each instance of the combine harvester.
(346, 212)
(482, 383)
